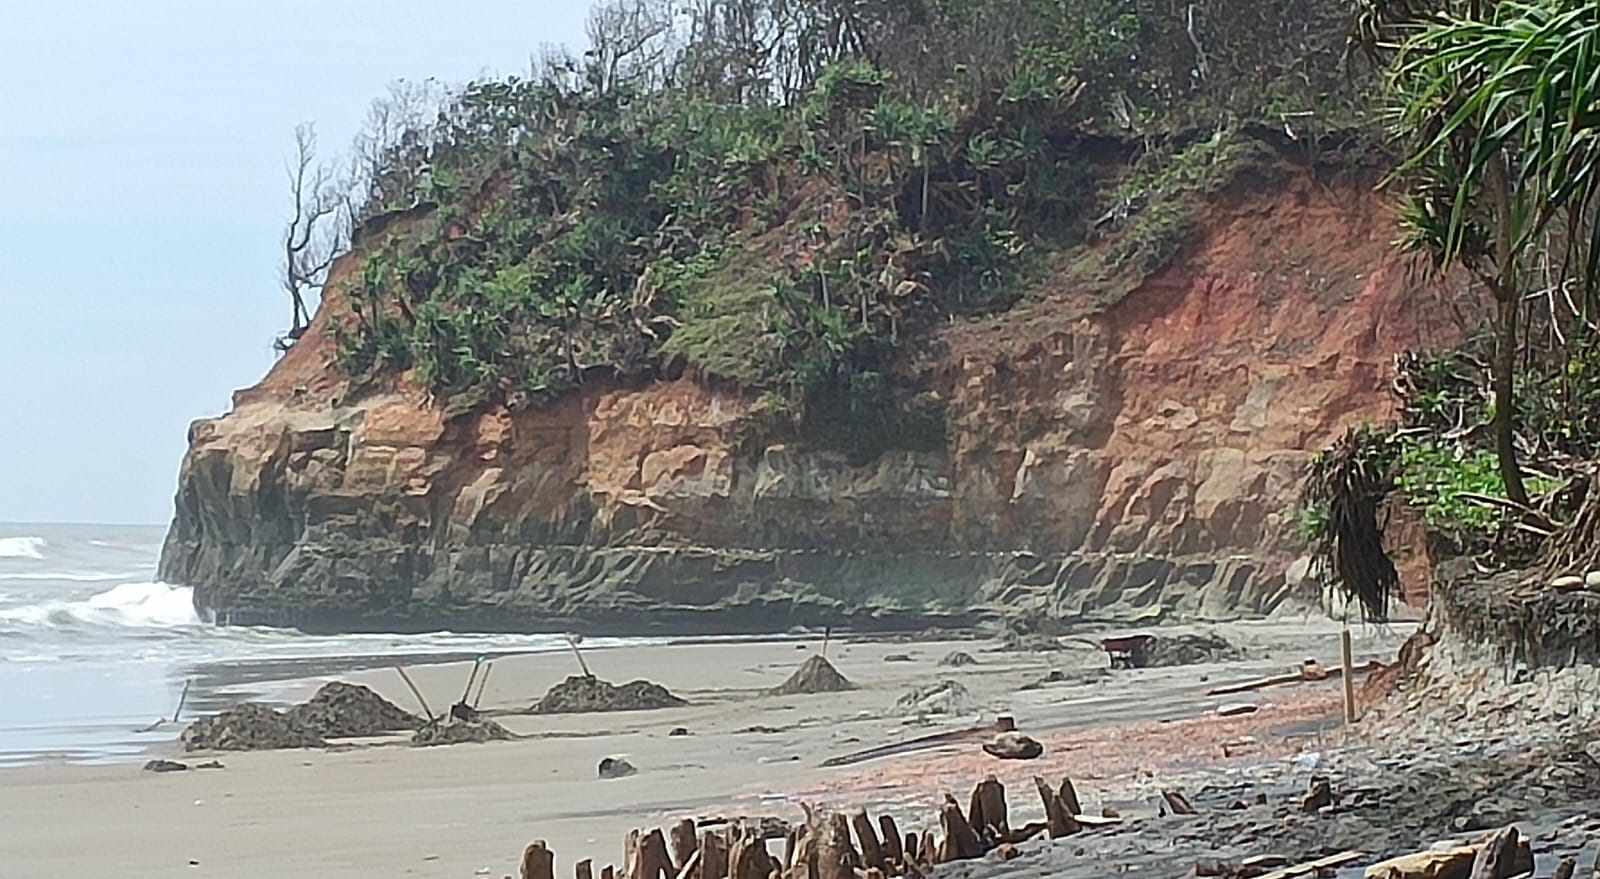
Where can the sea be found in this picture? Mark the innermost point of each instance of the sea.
(95, 651)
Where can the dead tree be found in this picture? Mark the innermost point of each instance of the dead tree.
(314, 234)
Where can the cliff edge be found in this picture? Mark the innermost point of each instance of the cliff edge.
(1115, 463)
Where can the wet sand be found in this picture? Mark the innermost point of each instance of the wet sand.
(380, 808)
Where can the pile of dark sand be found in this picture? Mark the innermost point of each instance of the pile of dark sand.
(340, 710)
(1173, 650)
(582, 694)
(447, 731)
(250, 726)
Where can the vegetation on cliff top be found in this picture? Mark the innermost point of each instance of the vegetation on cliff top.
(1494, 107)
(779, 194)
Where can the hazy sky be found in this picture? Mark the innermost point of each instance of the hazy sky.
(142, 190)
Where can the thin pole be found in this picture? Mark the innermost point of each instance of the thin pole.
(482, 682)
(182, 698)
(416, 692)
(476, 663)
(1349, 677)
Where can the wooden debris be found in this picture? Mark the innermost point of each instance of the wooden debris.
(867, 838)
(1057, 820)
(1315, 868)
(1566, 868)
(928, 855)
(1319, 794)
(583, 869)
(608, 872)
(1175, 803)
(960, 840)
(987, 811)
(1308, 673)
(690, 866)
(538, 862)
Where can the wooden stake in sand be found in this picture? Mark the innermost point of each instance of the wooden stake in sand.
(1349, 677)
(573, 640)
(538, 862)
(416, 692)
(182, 697)
(482, 682)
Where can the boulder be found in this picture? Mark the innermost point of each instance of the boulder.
(816, 675)
(1013, 746)
(582, 694)
(615, 767)
(341, 710)
(249, 726)
(165, 766)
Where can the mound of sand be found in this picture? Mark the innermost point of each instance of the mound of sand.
(1174, 650)
(581, 694)
(340, 710)
(447, 732)
(250, 726)
(816, 675)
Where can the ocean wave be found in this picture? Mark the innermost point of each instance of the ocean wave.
(22, 547)
(73, 576)
(137, 605)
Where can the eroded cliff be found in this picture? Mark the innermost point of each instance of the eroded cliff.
(1115, 462)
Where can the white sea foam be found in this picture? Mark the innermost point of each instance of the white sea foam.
(142, 605)
(72, 576)
(22, 547)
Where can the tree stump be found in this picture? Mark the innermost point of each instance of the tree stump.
(644, 856)
(1057, 821)
(583, 869)
(713, 858)
(1497, 859)
(836, 856)
(748, 857)
(892, 851)
(988, 813)
(960, 840)
(1069, 798)
(867, 837)
(684, 843)
(538, 862)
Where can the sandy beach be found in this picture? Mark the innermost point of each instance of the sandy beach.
(375, 808)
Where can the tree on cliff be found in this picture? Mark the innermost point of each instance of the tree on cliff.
(1495, 105)
(316, 232)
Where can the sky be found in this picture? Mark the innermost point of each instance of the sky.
(142, 193)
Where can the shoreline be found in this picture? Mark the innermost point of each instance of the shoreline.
(371, 807)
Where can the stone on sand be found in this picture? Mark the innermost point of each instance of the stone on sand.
(341, 710)
(816, 675)
(249, 726)
(615, 767)
(1013, 746)
(582, 694)
(957, 659)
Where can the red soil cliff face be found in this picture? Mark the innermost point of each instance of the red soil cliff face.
(1120, 464)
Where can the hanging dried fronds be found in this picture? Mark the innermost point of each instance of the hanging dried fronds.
(1344, 489)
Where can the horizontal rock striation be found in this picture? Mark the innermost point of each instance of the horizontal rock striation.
(1117, 464)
